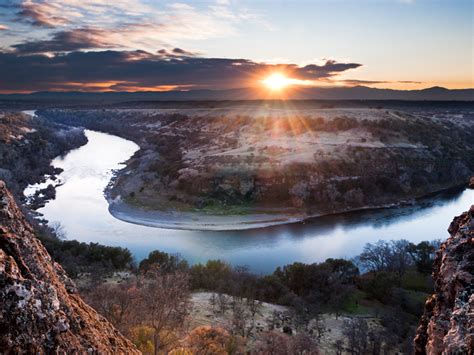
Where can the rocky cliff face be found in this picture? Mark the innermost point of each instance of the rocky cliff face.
(41, 311)
(447, 326)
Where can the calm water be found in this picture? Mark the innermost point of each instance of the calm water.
(83, 211)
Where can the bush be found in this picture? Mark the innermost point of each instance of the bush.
(78, 257)
(165, 262)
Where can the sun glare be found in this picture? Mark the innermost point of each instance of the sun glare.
(277, 81)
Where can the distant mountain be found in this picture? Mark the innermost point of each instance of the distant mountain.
(339, 93)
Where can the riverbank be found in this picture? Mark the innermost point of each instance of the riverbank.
(198, 221)
(219, 170)
(88, 170)
(28, 144)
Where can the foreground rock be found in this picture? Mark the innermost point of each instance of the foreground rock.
(41, 311)
(447, 326)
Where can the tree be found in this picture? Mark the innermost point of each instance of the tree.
(142, 337)
(376, 257)
(115, 302)
(165, 262)
(163, 306)
(338, 346)
(58, 230)
(317, 325)
(356, 332)
(390, 256)
(301, 343)
(213, 302)
(272, 343)
(222, 302)
(400, 258)
(423, 254)
(380, 285)
(214, 275)
(212, 340)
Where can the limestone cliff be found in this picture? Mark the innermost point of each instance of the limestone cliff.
(41, 311)
(447, 326)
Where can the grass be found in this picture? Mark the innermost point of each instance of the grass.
(359, 304)
(416, 281)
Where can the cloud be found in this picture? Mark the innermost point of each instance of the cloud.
(3, 27)
(175, 53)
(356, 82)
(43, 13)
(134, 24)
(66, 41)
(115, 70)
(58, 13)
(328, 69)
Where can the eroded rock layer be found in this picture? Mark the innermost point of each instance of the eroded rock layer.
(447, 326)
(41, 311)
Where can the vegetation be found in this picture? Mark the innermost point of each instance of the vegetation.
(27, 147)
(388, 281)
(392, 288)
(79, 258)
(204, 163)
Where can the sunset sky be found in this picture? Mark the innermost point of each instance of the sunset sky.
(128, 45)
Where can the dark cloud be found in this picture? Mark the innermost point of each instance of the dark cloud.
(66, 41)
(328, 69)
(175, 53)
(409, 82)
(79, 70)
(355, 82)
(179, 51)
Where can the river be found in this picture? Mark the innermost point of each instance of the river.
(81, 208)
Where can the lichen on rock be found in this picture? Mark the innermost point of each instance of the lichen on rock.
(447, 325)
(41, 311)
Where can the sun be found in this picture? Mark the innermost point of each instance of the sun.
(277, 81)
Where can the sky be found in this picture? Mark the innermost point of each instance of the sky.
(135, 45)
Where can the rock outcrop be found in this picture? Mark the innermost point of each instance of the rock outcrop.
(41, 311)
(471, 182)
(447, 326)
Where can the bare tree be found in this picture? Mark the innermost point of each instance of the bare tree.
(356, 332)
(391, 256)
(338, 346)
(58, 230)
(272, 343)
(240, 318)
(213, 302)
(317, 324)
(163, 306)
(376, 257)
(255, 306)
(301, 344)
(222, 302)
(114, 302)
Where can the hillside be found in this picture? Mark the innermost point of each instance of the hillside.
(316, 93)
(273, 165)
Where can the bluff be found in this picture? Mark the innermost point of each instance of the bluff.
(41, 311)
(447, 325)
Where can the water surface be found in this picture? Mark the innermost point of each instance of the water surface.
(81, 208)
